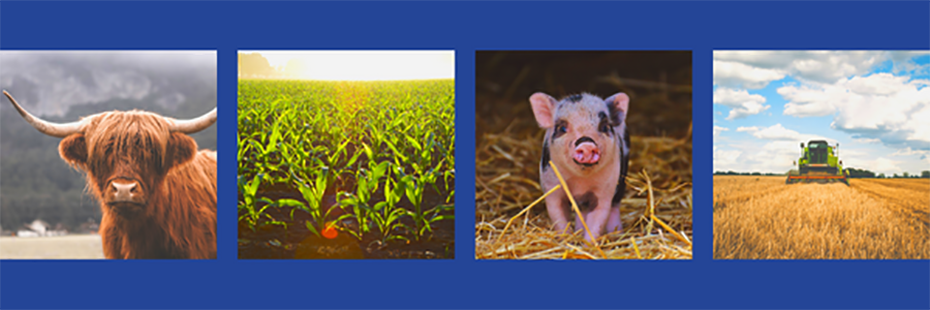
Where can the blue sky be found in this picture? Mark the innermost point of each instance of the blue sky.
(875, 104)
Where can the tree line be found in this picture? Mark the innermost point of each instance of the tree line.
(756, 173)
(850, 172)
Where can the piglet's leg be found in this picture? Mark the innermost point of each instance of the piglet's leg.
(597, 219)
(613, 220)
(556, 211)
(578, 225)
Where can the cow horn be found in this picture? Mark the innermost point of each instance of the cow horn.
(194, 125)
(49, 128)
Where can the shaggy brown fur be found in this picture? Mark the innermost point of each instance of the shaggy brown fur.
(178, 183)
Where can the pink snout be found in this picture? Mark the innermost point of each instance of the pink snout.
(586, 153)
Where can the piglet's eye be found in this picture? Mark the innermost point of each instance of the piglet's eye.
(604, 127)
(561, 128)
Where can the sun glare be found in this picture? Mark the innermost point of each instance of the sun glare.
(362, 65)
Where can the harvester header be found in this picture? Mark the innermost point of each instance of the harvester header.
(819, 162)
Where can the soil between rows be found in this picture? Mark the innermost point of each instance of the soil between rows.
(280, 242)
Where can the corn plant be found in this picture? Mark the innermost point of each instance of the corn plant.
(387, 216)
(313, 193)
(247, 211)
(377, 145)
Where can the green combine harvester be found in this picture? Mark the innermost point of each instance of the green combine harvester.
(819, 163)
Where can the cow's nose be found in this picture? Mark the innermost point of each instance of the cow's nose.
(124, 191)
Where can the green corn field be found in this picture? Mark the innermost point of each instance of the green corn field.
(371, 162)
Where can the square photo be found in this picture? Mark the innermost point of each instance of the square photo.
(108, 154)
(821, 155)
(583, 155)
(346, 154)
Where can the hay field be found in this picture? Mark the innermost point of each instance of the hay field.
(656, 211)
(59, 247)
(763, 218)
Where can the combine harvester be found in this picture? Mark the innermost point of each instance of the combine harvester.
(818, 163)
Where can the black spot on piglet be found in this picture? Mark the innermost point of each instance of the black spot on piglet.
(584, 139)
(624, 166)
(574, 98)
(586, 202)
(615, 114)
(619, 192)
(544, 164)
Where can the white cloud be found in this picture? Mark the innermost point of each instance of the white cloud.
(774, 156)
(919, 124)
(879, 84)
(740, 102)
(904, 62)
(737, 75)
(755, 69)
(883, 165)
(870, 159)
(806, 101)
(908, 152)
(893, 109)
(718, 130)
(727, 155)
(761, 59)
(868, 141)
(725, 160)
(829, 66)
(778, 132)
(903, 56)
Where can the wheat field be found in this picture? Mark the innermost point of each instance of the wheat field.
(763, 218)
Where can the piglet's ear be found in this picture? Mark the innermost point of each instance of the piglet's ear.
(73, 150)
(181, 149)
(619, 105)
(543, 105)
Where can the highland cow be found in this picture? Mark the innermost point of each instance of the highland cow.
(157, 192)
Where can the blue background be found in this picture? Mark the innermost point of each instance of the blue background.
(465, 27)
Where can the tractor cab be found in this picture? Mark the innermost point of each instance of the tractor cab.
(817, 152)
(819, 162)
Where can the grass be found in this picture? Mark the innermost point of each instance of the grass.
(375, 160)
(763, 218)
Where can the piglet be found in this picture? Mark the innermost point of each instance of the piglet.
(587, 140)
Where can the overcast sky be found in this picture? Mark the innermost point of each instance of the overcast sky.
(49, 82)
(875, 104)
